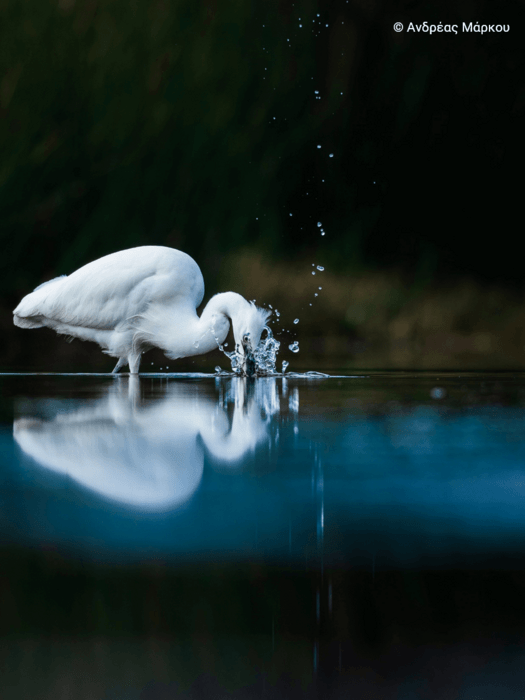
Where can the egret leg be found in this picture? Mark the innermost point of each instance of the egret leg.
(121, 362)
(134, 363)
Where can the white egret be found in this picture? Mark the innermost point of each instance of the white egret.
(137, 299)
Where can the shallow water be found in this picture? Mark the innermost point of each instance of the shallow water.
(298, 535)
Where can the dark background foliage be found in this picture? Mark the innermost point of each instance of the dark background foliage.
(197, 125)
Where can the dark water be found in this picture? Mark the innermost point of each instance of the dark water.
(199, 537)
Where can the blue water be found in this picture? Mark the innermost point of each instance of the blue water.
(193, 536)
(299, 470)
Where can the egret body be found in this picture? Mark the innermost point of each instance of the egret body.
(137, 299)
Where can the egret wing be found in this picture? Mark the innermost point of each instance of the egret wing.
(110, 292)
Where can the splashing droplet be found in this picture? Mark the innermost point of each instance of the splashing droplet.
(296, 321)
(285, 365)
(294, 347)
(320, 268)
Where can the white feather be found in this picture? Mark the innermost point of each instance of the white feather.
(136, 299)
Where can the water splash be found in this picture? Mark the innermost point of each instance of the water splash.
(266, 353)
(265, 356)
(294, 347)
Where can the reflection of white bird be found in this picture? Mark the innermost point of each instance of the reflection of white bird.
(131, 301)
(148, 456)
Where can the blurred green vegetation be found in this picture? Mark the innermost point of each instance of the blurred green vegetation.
(127, 123)
(198, 126)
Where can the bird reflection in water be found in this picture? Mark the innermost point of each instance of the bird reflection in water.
(149, 454)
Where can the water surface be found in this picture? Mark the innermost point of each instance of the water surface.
(347, 523)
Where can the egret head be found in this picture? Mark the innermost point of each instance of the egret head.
(248, 325)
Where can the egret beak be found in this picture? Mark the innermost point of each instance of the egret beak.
(249, 361)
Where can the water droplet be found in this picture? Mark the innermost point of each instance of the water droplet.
(196, 344)
(291, 214)
(320, 268)
(316, 92)
(318, 146)
(319, 287)
(438, 393)
(296, 321)
(313, 273)
(315, 294)
(285, 365)
(322, 233)
(294, 347)
(331, 155)
(319, 224)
